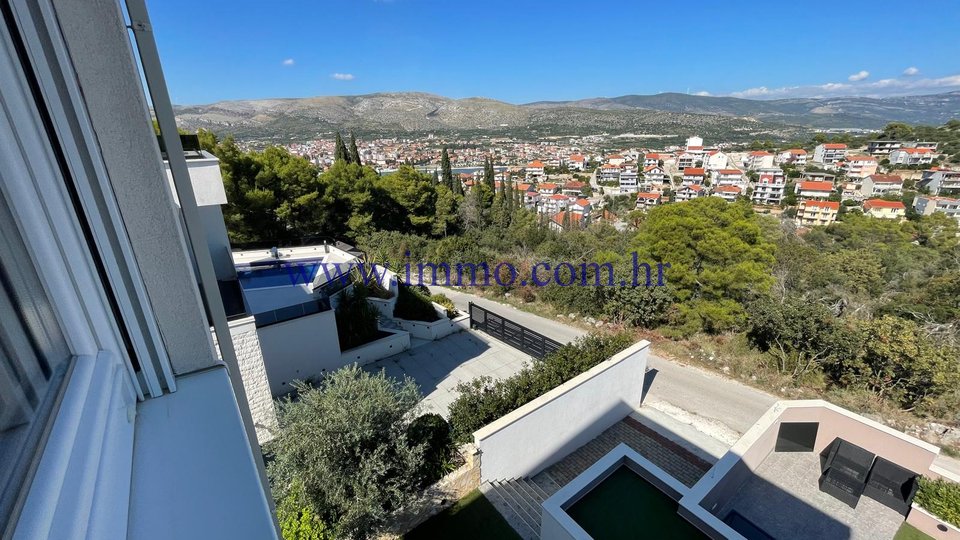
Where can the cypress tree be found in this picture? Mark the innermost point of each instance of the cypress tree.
(354, 152)
(447, 173)
(508, 195)
(340, 152)
(488, 174)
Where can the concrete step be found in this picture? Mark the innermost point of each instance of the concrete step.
(519, 502)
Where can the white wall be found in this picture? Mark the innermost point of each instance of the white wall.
(299, 349)
(548, 428)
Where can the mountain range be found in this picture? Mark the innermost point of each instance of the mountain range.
(663, 116)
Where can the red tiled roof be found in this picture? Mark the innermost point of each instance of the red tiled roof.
(815, 186)
(918, 150)
(583, 202)
(880, 203)
(648, 195)
(558, 197)
(650, 168)
(835, 146)
(609, 166)
(652, 156)
(730, 171)
(536, 164)
(559, 216)
(796, 151)
(759, 153)
(833, 205)
(576, 157)
(861, 158)
(886, 178)
(728, 189)
(548, 185)
(693, 171)
(573, 184)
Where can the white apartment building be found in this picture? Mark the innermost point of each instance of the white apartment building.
(694, 175)
(859, 167)
(912, 156)
(882, 148)
(616, 160)
(881, 209)
(628, 180)
(554, 203)
(651, 160)
(716, 160)
(535, 169)
(691, 191)
(646, 201)
(926, 205)
(576, 162)
(829, 153)
(728, 193)
(729, 177)
(758, 160)
(877, 185)
(769, 187)
(655, 175)
(688, 159)
(793, 156)
(608, 173)
(814, 190)
(940, 181)
(123, 418)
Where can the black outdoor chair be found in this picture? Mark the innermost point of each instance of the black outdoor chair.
(891, 485)
(845, 471)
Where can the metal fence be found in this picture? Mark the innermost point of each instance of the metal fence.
(516, 335)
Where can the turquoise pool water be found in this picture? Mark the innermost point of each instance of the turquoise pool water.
(624, 506)
(300, 273)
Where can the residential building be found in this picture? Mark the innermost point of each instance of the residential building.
(573, 188)
(758, 160)
(882, 148)
(814, 190)
(531, 197)
(728, 193)
(581, 207)
(877, 185)
(616, 160)
(926, 205)
(608, 173)
(655, 174)
(120, 417)
(923, 145)
(628, 180)
(940, 181)
(818, 176)
(691, 191)
(651, 160)
(729, 177)
(716, 160)
(792, 156)
(535, 169)
(770, 186)
(564, 220)
(689, 159)
(912, 156)
(694, 143)
(859, 167)
(576, 162)
(646, 201)
(829, 153)
(812, 213)
(693, 175)
(551, 204)
(547, 189)
(882, 209)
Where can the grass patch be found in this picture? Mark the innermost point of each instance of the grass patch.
(471, 518)
(909, 532)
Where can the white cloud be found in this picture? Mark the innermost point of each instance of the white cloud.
(702, 93)
(288, 62)
(859, 76)
(343, 76)
(911, 71)
(879, 88)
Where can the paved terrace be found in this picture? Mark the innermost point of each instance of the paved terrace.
(783, 499)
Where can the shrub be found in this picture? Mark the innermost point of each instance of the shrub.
(356, 319)
(446, 303)
(342, 452)
(941, 498)
(433, 430)
(483, 400)
(413, 305)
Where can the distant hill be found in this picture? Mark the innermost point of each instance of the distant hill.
(841, 112)
(665, 116)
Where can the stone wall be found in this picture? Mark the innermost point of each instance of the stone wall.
(254, 376)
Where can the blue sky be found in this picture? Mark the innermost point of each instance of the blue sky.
(521, 51)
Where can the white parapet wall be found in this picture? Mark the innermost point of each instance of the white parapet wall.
(548, 428)
(437, 329)
(397, 342)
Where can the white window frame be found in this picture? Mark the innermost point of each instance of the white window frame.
(79, 482)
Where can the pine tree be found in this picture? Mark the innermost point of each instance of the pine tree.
(354, 152)
(340, 153)
(447, 173)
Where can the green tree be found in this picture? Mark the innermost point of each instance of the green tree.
(340, 152)
(715, 256)
(447, 172)
(354, 151)
(344, 444)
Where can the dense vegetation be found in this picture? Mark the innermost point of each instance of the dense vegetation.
(350, 452)
(941, 498)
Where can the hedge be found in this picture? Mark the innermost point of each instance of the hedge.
(413, 305)
(484, 400)
(356, 319)
(941, 498)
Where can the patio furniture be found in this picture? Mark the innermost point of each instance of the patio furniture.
(891, 485)
(845, 471)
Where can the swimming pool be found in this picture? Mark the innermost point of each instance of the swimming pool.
(626, 506)
(284, 275)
